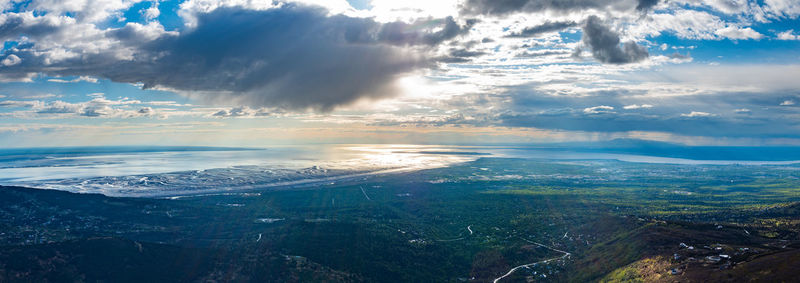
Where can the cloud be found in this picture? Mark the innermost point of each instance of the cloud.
(17, 103)
(541, 53)
(598, 109)
(788, 35)
(760, 11)
(59, 107)
(252, 58)
(725, 6)
(782, 8)
(679, 56)
(243, 111)
(402, 33)
(605, 44)
(692, 24)
(697, 114)
(645, 5)
(543, 28)
(26, 23)
(732, 32)
(672, 107)
(494, 7)
(146, 111)
(293, 57)
(763, 78)
(637, 106)
(11, 60)
(693, 123)
(465, 53)
(99, 106)
(151, 12)
(75, 80)
(83, 10)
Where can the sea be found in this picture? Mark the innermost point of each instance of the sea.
(172, 171)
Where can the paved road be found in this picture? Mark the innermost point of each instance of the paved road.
(566, 254)
(365, 193)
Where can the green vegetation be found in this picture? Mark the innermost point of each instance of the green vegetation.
(619, 222)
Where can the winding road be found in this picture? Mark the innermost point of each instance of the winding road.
(566, 254)
(459, 236)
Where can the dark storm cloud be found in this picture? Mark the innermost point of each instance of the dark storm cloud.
(605, 44)
(543, 28)
(293, 57)
(289, 57)
(499, 7)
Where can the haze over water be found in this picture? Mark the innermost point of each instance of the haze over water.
(171, 171)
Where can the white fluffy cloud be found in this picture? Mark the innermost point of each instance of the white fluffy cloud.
(87, 11)
(75, 80)
(11, 60)
(598, 109)
(637, 106)
(732, 32)
(788, 35)
(691, 24)
(697, 114)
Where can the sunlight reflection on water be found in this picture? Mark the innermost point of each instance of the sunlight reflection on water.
(171, 173)
(342, 157)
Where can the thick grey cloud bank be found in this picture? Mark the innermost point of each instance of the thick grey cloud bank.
(605, 44)
(292, 57)
(725, 114)
(692, 123)
(498, 7)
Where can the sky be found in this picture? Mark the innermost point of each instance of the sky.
(260, 73)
